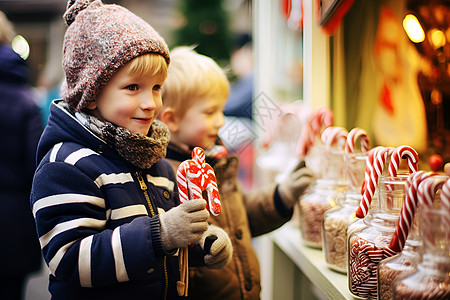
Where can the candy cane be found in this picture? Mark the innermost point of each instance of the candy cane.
(372, 183)
(408, 210)
(194, 176)
(426, 194)
(371, 155)
(331, 136)
(322, 118)
(445, 204)
(356, 134)
(403, 152)
(353, 136)
(304, 142)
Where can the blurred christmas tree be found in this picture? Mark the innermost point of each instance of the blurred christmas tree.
(206, 25)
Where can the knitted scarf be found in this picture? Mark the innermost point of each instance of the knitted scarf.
(139, 150)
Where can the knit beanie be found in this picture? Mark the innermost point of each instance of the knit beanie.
(101, 38)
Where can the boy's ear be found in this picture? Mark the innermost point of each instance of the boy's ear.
(169, 117)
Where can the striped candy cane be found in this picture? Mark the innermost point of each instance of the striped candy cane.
(371, 155)
(405, 152)
(445, 203)
(331, 136)
(372, 183)
(322, 118)
(426, 194)
(194, 176)
(408, 210)
(355, 135)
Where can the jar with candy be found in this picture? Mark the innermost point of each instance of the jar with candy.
(368, 246)
(313, 205)
(368, 191)
(431, 279)
(323, 194)
(405, 262)
(336, 220)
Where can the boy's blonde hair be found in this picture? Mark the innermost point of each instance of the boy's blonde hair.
(192, 76)
(150, 64)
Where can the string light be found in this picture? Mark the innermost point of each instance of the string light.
(20, 46)
(413, 29)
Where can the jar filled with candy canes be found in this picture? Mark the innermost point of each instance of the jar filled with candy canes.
(368, 190)
(406, 239)
(431, 280)
(326, 190)
(336, 220)
(368, 246)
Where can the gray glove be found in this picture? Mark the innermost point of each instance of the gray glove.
(184, 225)
(220, 252)
(296, 184)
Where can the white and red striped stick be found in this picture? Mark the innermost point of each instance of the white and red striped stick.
(426, 195)
(408, 210)
(355, 135)
(322, 118)
(445, 204)
(371, 155)
(403, 152)
(332, 135)
(194, 176)
(372, 183)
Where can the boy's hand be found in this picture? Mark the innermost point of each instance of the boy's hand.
(217, 245)
(184, 225)
(296, 184)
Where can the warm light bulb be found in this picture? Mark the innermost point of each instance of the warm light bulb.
(20, 46)
(413, 29)
(437, 38)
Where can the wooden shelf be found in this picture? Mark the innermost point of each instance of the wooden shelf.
(311, 263)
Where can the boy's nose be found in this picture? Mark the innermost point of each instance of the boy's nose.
(148, 103)
(220, 120)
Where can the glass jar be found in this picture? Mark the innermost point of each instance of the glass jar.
(400, 264)
(336, 220)
(322, 197)
(313, 205)
(369, 245)
(431, 279)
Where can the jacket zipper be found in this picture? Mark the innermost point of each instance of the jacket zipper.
(144, 189)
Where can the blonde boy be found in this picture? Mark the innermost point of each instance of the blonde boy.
(194, 95)
(104, 200)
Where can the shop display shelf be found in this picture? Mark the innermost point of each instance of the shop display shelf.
(311, 262)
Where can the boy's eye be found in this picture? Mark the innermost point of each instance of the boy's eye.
(210, 111)
(156, 87)
(132, 87)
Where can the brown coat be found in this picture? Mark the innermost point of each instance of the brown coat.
(243, 216)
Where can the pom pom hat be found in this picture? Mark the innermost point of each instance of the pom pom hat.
(100, 39)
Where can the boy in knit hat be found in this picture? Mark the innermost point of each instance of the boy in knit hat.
(194, 96)
(105, 202)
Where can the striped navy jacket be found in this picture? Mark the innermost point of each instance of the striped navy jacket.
(99, 235)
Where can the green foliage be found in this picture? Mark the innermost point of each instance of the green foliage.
(207, 27)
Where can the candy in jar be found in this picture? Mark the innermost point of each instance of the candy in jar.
(369, 246)
(326, 190)
(431, 280)
(336, 220)
(406, 239)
